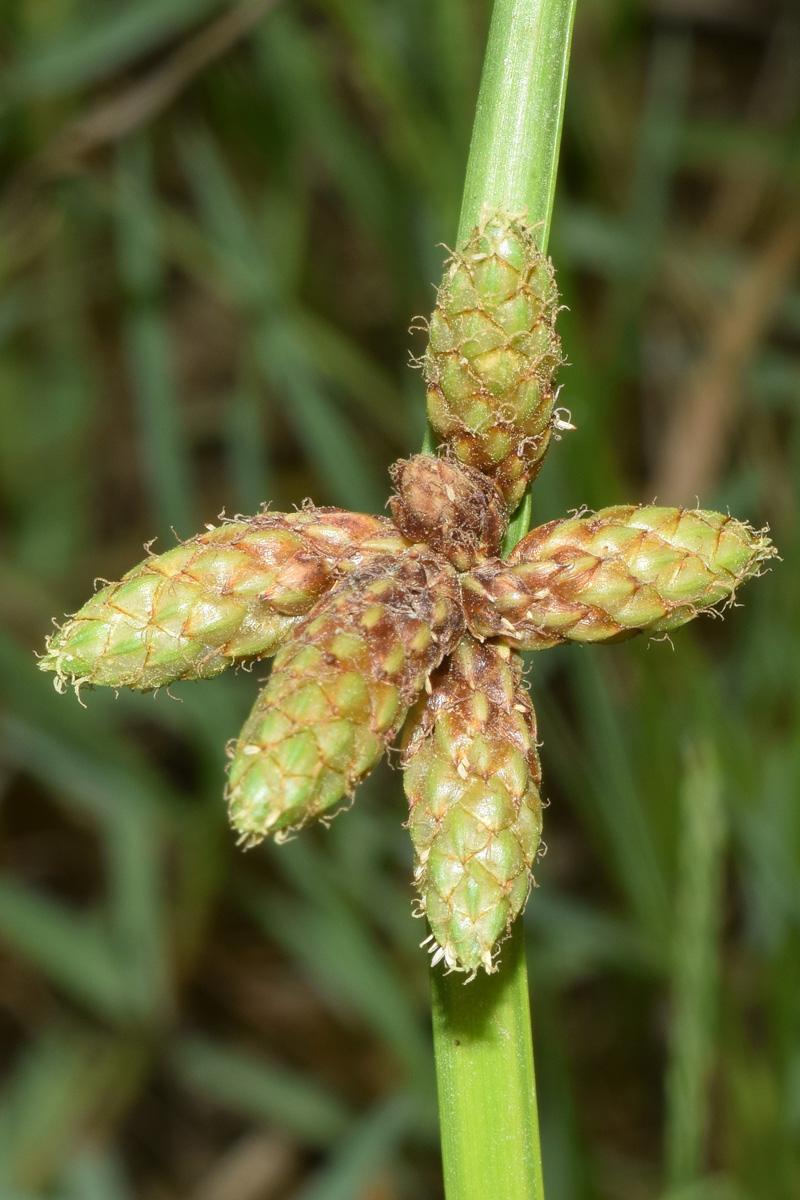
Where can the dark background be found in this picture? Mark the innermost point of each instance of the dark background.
(217, 224)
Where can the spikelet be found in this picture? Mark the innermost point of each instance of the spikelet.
(340, 690)
(233, 592)
(493, 353)
(452, 508)
(613, 574)
(472, 779)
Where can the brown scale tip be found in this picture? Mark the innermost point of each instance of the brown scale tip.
(454, 509)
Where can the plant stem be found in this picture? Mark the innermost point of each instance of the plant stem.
(482, 1030)
(487, 1087)
(513, 155)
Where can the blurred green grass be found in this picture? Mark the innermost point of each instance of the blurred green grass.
(218, 222)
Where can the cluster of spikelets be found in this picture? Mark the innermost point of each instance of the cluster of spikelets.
(417, 621)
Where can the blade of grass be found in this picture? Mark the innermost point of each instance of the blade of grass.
(294, 69)
(358, 1159)
(260, 1089)
(137, 912)
(330, 440)
(147, 339)
(279, 345)
(83, 777)
(330, 941)
(695, 968)
(568, 1172)
(457, 57)
(343, 363)
(629, 835)
(358, 856)
(129, 962)
(668, 81)
(245, 438)
(110, 120)
(95, 1175)
(709, 1189)
(574, 941)
(53, 528)
(65, 1086)
(68, 948)
(415, 138)
(226, 219)
(98, 45)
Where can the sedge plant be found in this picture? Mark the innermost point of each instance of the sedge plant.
(416, 623)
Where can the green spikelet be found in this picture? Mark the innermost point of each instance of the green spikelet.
(493, 352)
(472, 779)
(340, 690)
(235, 591)
(608, 576)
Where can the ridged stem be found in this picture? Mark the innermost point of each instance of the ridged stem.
(513, 156)
(482, 1030)
(486, 1082)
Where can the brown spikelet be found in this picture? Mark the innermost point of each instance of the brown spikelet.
(235, 591)
(341, 689)
(452, 508)
(615, 573)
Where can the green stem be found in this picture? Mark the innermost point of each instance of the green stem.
(486, 1083)
(513, 156)
(482, 1030)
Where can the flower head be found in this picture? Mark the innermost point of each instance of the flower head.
(373, 620)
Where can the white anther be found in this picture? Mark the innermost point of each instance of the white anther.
(562, 419)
